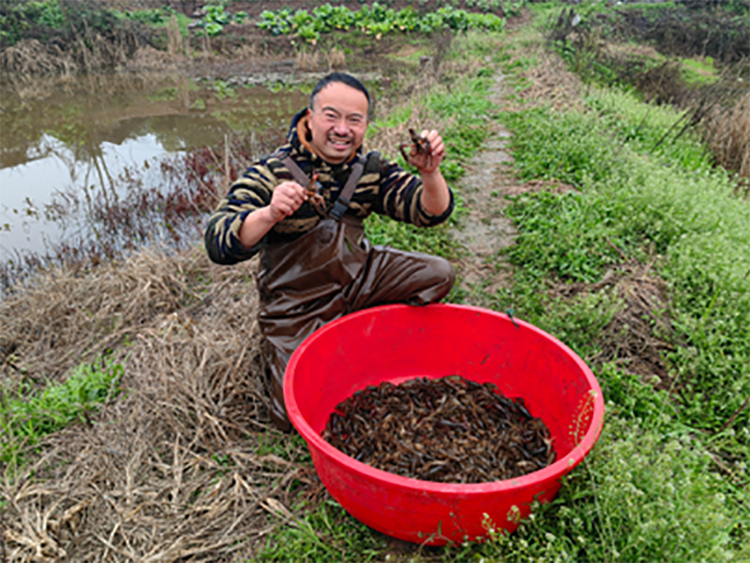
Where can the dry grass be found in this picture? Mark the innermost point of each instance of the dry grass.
(83, 53)
(175, 43)
(727, 133)
(307, 60)
(333, 59)
(551, 83)
(180, 467)
(31, 58)
(336, 59)
(636, 338)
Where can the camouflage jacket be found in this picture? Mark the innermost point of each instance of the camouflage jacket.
(384, 188)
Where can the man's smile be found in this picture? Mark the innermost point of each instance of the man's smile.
(341, 143)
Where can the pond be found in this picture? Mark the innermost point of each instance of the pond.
(67, 145)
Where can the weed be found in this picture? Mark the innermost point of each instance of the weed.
(670, 203)
(26, 416)
(327, 534)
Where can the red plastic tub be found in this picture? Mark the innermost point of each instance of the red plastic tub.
(399, 342)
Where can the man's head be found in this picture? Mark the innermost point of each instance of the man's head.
(338, 116)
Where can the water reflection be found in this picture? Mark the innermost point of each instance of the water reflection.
(82, 136)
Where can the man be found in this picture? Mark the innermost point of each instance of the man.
(302, 209)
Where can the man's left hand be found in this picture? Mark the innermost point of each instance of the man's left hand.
(428, 161)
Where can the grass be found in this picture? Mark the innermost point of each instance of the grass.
(463, 111)
(697, 71)
(328, 533)
(28, 414)
(669, 204)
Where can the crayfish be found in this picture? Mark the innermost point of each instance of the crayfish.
(315, 199)
(420, 147)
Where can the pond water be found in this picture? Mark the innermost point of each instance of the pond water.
(76, 139)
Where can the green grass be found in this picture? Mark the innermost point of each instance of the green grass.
(27, 414)
(669, 204)
(667, 480)
(696, 71)
(327, 533)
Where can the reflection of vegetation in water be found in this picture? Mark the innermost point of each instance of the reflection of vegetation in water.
(246, 113)
(164, 95)
(179, 112)
(223, 90)
(163, 203)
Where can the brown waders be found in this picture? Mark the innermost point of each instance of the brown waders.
(330, 271)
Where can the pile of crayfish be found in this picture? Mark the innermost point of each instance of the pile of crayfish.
(448, 430)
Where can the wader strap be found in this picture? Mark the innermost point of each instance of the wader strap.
(344, 199)
(299, 176)
(342, 202)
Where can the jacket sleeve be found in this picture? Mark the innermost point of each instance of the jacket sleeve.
(250, 192)
(400, 197)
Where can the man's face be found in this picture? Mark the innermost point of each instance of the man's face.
(338, 121)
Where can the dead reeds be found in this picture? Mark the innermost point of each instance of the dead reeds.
(184, 465)
(726, 131)
(31, 58)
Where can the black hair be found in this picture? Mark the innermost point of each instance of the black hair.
(343, 78)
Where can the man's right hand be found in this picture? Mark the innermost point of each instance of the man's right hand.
(287, 198)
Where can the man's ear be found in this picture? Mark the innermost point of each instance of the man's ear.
(308, 131)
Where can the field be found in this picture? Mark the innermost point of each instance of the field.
(590, 202)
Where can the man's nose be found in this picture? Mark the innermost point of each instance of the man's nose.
(341, 127)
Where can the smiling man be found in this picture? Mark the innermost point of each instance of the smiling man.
(302, 209)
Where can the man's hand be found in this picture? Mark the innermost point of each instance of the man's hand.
(287, 198)
(429, 159)
(435, 195)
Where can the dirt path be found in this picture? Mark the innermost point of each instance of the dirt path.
(485, 230)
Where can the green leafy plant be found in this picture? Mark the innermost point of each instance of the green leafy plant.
(17, 18)
(377, 20)
(153, 17)
(217, 17)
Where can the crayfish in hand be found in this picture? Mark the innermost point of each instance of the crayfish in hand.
(420, 150)
(315, 199)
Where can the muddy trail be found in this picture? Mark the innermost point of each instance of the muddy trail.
(485, 231)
